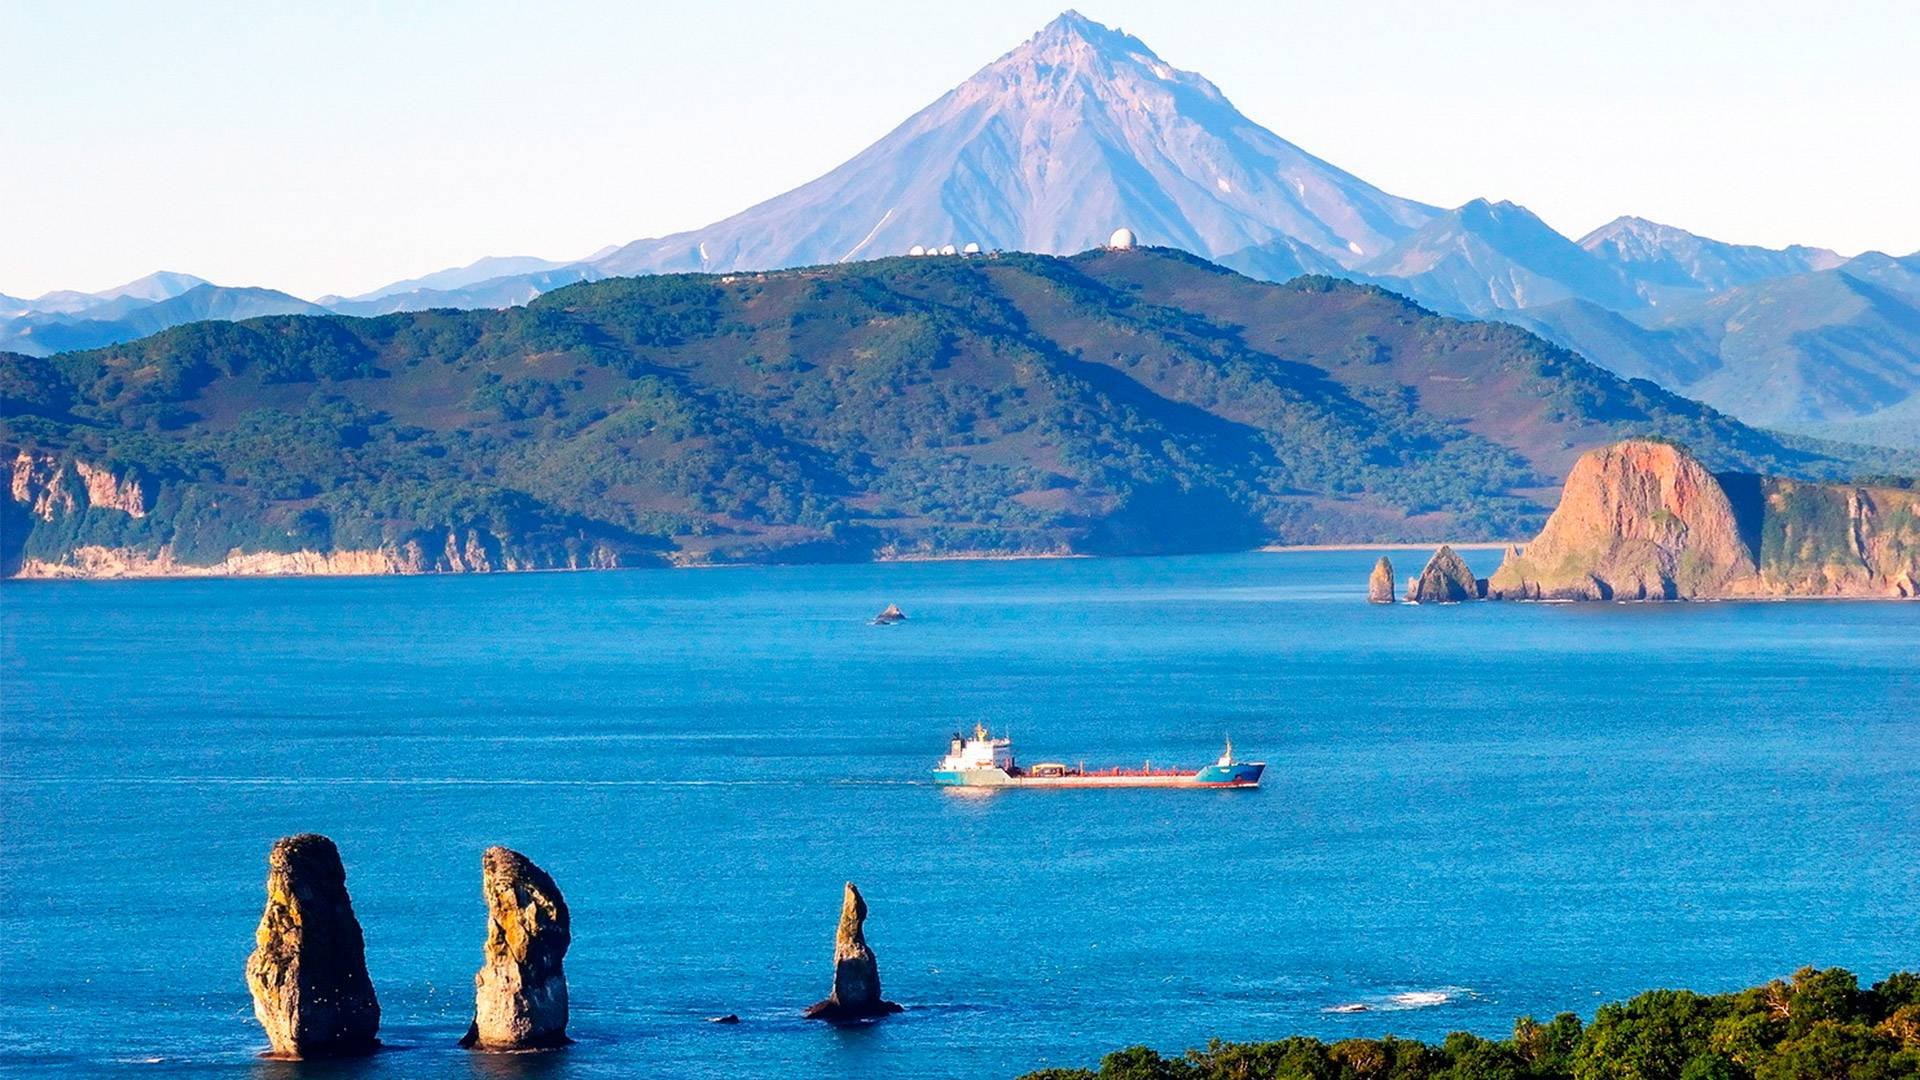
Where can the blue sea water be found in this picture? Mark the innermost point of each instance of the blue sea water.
(1471, 812)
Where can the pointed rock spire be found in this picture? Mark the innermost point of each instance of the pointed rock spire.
(1380, 584)
(856, 974)
(308, 971)
(520, 993)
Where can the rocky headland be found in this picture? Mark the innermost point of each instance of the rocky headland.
(308, 970)
(1645, 520)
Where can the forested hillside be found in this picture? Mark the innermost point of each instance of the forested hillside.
(1117, 401)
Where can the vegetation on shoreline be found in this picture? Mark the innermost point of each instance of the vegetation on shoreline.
(1820, 1025)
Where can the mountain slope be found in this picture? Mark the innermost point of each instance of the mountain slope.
(1832, 352)
(1662, 259)
(1119, 401)
(1484, 258)
(1080, 130)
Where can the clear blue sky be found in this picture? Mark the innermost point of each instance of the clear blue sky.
(332, 147)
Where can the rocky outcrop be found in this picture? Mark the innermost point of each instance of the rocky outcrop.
(890, 615)
(520, 993)
(1380, 584)
(111, 492)
(44, 486)
(1644, 520)
(308, 970)
(856, 974)
(1445, 580)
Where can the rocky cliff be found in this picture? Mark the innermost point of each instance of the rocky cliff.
(856, 973)
(308, 970)
(520, 992)
(1645, 520)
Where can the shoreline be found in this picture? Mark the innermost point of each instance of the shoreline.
(179, 572)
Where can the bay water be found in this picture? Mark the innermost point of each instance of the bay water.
(1470, 812)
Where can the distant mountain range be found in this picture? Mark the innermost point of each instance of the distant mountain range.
(1082, 129)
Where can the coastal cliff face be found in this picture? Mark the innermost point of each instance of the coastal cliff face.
(1644, 520)
(48, 489)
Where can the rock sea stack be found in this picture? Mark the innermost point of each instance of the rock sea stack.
(1380, 585)
(891, 615)
(308, 971)
(856, 974)
(1446, 580)
(520, 993)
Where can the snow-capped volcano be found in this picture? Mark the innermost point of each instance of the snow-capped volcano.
(1051, 147)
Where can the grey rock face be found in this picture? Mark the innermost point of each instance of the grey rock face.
(1446, 580)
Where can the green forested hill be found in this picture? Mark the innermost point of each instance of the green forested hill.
(1118, 401)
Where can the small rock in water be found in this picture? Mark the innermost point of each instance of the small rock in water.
(730, 1018)
(520, 992)
(308, 970)
(1380, 585)
(1446, 580)
(891, 615)
(856, 974)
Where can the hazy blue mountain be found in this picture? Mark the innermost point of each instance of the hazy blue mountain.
(1832, 352)
(510, 290)
(455, 278)
(1078, 131)
(161, 285)
(1663, 260)
(1484, 258)
(127, 318)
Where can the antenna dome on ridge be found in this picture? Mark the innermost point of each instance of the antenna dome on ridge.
(1121, 239)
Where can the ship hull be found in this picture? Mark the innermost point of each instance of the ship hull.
(1239, 775)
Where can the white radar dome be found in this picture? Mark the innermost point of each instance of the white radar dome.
(970, 249)
(916, 250)
(949, 250)
(1121, 238)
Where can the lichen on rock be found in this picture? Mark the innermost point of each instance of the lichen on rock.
(856, 973)
(520, 992)
(308, 970)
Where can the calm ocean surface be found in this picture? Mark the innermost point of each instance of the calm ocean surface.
(1470, 812)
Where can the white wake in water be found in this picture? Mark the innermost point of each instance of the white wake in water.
(1405, 1001)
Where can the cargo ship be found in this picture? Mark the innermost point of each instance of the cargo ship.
(986, 762)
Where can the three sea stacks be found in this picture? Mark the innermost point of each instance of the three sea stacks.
(313, 995)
